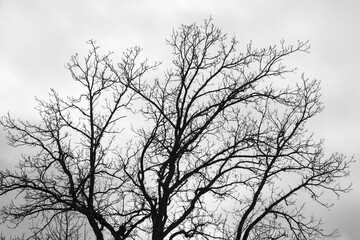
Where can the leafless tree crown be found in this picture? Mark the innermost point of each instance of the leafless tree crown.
(222, 151)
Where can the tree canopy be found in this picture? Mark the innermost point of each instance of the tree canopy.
(217, 146)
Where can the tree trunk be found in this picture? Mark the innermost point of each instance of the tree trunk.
(158, 229)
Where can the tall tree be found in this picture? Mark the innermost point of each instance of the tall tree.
(219, 149)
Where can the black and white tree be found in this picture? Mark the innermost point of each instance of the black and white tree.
(219, 148)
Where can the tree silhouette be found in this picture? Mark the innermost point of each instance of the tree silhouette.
(217, 148)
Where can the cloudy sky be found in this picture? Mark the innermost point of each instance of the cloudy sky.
(37, 39)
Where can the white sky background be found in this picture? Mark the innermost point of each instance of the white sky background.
(37, 39)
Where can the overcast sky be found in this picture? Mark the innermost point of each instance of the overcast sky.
(37, 39)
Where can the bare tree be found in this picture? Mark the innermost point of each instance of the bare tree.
(222, 153)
